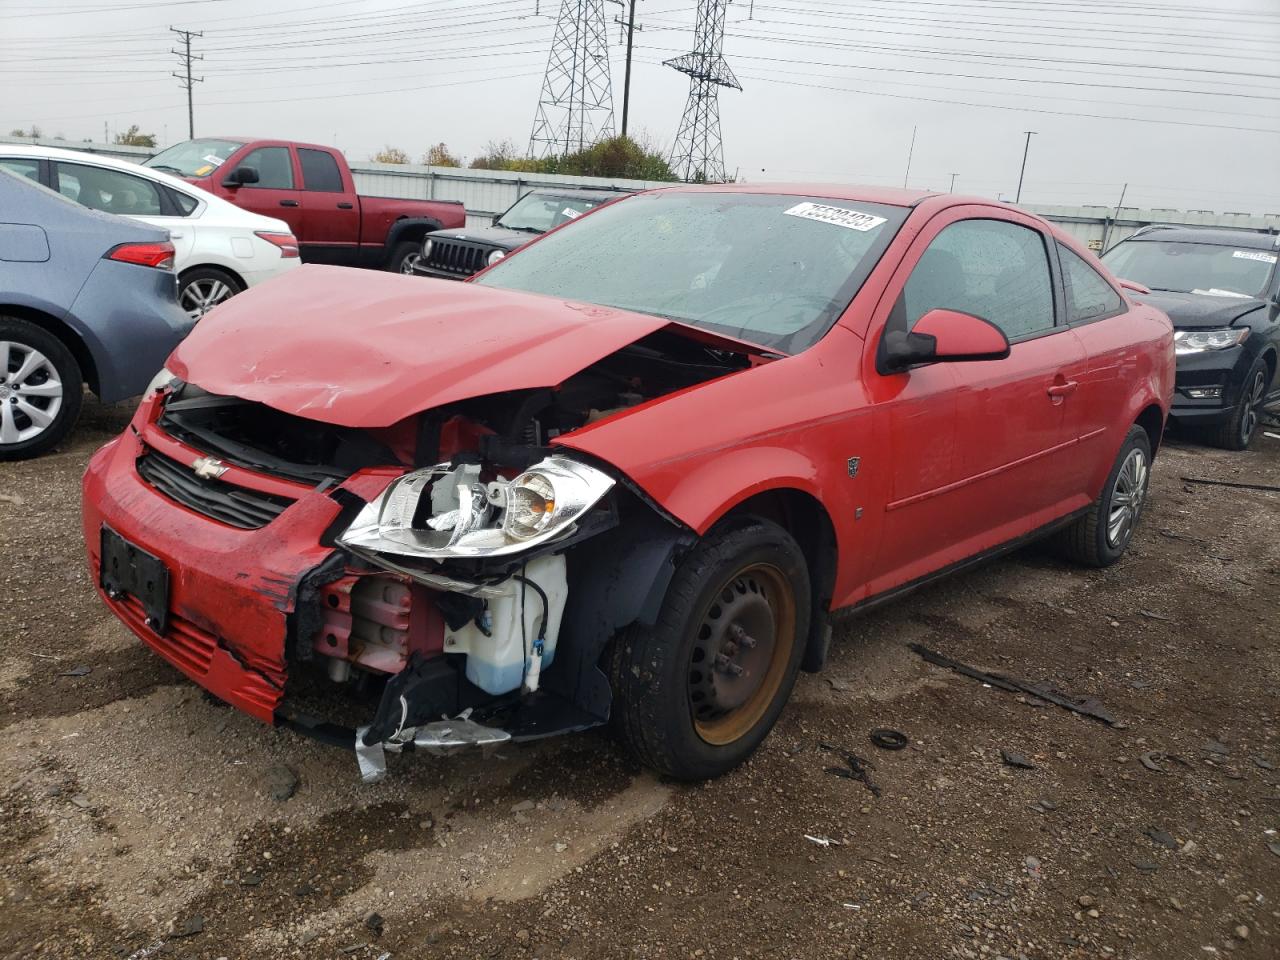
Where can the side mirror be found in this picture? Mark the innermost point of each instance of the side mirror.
(942, 336)
(240, 176)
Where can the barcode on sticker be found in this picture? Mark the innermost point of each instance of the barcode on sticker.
(836, 216)
(1255, 255)
(570, 213)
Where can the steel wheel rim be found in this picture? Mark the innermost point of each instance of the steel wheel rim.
(1252, 408)
(740, 654)
(1127, 496)
(31, 392)
(409, 262)
(201, 296)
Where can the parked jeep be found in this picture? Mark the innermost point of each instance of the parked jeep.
(458, 254)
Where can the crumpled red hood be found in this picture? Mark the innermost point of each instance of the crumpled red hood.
(365, 349)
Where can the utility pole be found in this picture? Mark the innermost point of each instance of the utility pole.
(698, 153)
(1106, 232)
(910, 152)
(952, 188)
(186, 56)
(626, 79)
(1025, 150)
(575, 108)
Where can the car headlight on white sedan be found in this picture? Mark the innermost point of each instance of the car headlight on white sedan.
(445, 512)
(1200, 341)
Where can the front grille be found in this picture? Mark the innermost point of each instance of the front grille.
(460, 258)
(224, 502)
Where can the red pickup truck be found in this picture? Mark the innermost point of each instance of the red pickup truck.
(310, 187)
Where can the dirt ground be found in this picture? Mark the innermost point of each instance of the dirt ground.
(140, 819)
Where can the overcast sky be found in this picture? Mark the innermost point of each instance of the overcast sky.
(832, 88)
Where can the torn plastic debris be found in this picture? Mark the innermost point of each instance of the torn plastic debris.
(439, 738)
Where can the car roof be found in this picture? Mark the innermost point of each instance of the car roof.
(581, 193)
(1222, 236)
(890, 196)
(97, 159)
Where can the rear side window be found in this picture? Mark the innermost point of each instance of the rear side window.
(111, 191)
(319, 171)
(184, 203)
(22, 167)
(275, 169)
(992, 269)
(1089, 296)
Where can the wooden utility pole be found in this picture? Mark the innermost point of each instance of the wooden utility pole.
(186, 56)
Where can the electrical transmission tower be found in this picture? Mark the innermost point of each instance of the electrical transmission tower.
(575, 109)
(698, 154)
(188, 81)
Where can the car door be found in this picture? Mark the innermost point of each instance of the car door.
(276, 193)
(979, 448)
(330, 213)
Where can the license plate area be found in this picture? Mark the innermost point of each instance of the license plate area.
(126, 569)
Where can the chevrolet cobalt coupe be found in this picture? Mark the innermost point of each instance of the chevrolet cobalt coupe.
(628, 474)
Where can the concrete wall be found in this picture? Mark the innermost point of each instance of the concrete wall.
(486, 193)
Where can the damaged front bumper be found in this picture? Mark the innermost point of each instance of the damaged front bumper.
(277, 618)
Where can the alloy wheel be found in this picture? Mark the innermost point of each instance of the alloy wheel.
(1253, 407)
(30, 392)
(409, 262)
(741, 652)
(201, 296)
(1127, 497)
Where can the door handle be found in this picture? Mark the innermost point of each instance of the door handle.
(1064, 389)
(288, 203)
(344, 205)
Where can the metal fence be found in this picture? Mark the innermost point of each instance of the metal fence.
(486, 193)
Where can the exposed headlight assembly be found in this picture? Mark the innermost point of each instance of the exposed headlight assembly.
(443, 512)
(1199, 341)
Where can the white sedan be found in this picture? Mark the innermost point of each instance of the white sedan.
(220, 249)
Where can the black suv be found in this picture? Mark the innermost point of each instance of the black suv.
(1221, 289)
(457, 254)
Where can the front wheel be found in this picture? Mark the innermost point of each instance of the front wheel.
(203, 288)
(1101, 536)
(696, 693)
(405, 256)
(1239, 429)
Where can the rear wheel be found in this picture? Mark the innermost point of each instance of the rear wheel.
(1101, 536)
(695, 694)
(40, 390)
(203, 288)
(405, 256)
(1238, 430)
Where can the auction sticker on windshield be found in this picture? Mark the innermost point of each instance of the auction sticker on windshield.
(1254, 255)
(836, 216)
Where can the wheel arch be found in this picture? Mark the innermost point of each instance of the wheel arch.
(220, 267)
(1152, 420)
(408, 229)
(65, 333)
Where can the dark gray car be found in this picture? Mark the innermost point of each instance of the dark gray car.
(457, 254)
(85, 297)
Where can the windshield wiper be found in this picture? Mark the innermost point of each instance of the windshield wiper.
(521, 229)
(161, 166)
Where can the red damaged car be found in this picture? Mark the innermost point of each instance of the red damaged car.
(630, 473)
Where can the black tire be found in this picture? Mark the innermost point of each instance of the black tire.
(192, 285)
(1237, 432)
(23, 341)
(692, 723)
(1089, 540)
(403, 255)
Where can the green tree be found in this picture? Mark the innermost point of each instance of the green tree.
(133, 137)
(390, 154)
(618, 157)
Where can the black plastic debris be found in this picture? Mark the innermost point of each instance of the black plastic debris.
(887, 739)
(1233, 484)
(1150, 761)
(1161, 837)
(857, 768)
(78, 671)
(1012, 758)
(1087, 707)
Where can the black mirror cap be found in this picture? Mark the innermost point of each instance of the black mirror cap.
(240, 176)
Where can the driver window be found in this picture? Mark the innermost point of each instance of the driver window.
(275, 168)
(992, 269)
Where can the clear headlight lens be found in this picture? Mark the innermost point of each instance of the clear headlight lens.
(444, 511)
(1198, 341)
(496, 256)
(426, 248)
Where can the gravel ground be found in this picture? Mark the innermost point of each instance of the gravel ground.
(142, 819)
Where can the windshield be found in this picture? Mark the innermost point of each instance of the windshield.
(1206, 268)
(537, 213)
(774, 270)
(194, 158)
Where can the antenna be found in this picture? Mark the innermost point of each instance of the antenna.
(575, 109)
(698, 154)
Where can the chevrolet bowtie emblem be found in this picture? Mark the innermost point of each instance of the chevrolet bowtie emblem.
(207, 468)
